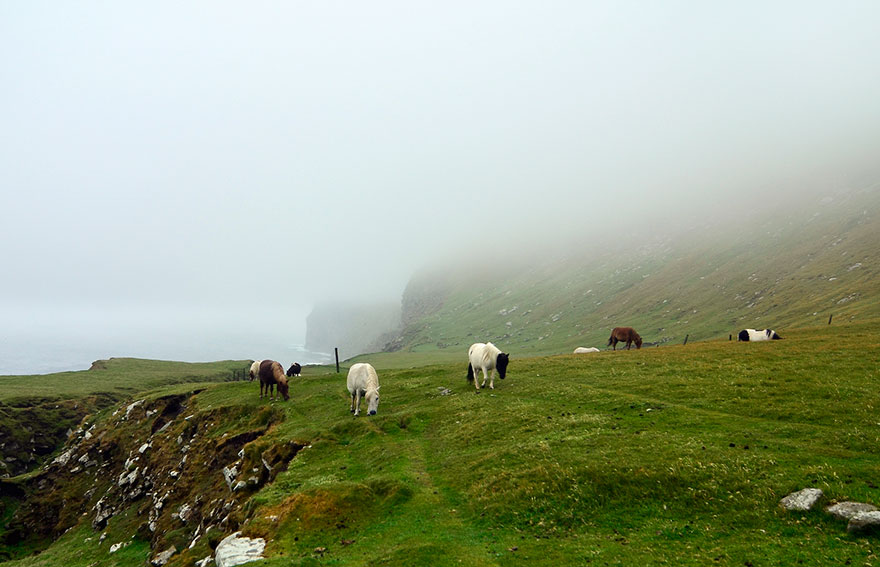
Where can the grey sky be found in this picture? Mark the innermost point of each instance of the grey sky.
(210, 160)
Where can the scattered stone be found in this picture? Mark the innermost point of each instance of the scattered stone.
(117, 546)
(205, 562)
(164, 557)
(235, 550)
(130, 408)
(802, 500)
(229, 473)
(184, 513)
(864, 523)
(63, 458)
(849, 510)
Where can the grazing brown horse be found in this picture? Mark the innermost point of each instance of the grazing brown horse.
(272, 373)
(628, 334)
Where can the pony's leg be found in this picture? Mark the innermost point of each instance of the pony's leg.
(357, 404)
(492, 379)
(351, 408)
(485, 377)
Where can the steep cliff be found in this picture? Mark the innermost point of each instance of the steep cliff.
(352, 328)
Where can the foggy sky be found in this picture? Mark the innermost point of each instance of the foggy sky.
(218, 167)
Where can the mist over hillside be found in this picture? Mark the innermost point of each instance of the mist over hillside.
(796, 262)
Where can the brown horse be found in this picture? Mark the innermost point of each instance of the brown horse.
(628, 334)
(272, 373)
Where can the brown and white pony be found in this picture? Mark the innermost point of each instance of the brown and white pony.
(272, 373)
(254, 370)
(627, 334)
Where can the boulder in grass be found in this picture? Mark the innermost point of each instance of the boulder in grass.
(865, 523)
(849, 510)
(236, 550)
(802, 500)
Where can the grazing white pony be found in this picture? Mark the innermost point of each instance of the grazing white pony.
(585, 350)
(488, 358)
(758, 335)
(255, 370)
(363, 382)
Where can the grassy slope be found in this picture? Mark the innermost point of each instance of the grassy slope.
(784, 271)
(673, 455)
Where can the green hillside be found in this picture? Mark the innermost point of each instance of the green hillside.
(675, 455)
(790, 267)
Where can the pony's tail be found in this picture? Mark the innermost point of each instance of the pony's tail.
(470, 375)
(611, 338)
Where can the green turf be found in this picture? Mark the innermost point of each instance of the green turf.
(675, 455)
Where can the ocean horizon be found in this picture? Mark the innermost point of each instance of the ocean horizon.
(48, 355)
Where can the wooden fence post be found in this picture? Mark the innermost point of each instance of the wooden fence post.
(685, 340)
(336, 350)
(829, 318)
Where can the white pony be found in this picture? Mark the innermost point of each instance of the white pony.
(585, 350)
(255, 370)
(758, 335)
(488, 358)
(363, 382)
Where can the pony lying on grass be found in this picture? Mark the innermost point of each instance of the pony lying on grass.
(488, 358)
(585, 350)
(621, 334)
(363, 382)
(272, 373)
(758, 335)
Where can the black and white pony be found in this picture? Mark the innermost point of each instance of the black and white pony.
(758, 335)
(488, 358)
(294, 369)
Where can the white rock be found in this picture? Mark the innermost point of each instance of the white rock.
(866, 522)
(130, 408)
(849, 510)
(164, 557)
(235, 550)
(802, 500)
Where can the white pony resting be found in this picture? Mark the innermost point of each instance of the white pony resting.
(363, 382)
(758, 335)
(488, 358)
(255, 370)
(585, 350)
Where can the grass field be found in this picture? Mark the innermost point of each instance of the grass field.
(674, 455)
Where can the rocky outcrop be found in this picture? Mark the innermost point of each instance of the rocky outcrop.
(161, 459)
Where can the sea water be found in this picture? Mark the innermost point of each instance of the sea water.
(26, 355)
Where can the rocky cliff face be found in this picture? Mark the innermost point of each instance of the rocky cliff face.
(353, 329)
(158, 469)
